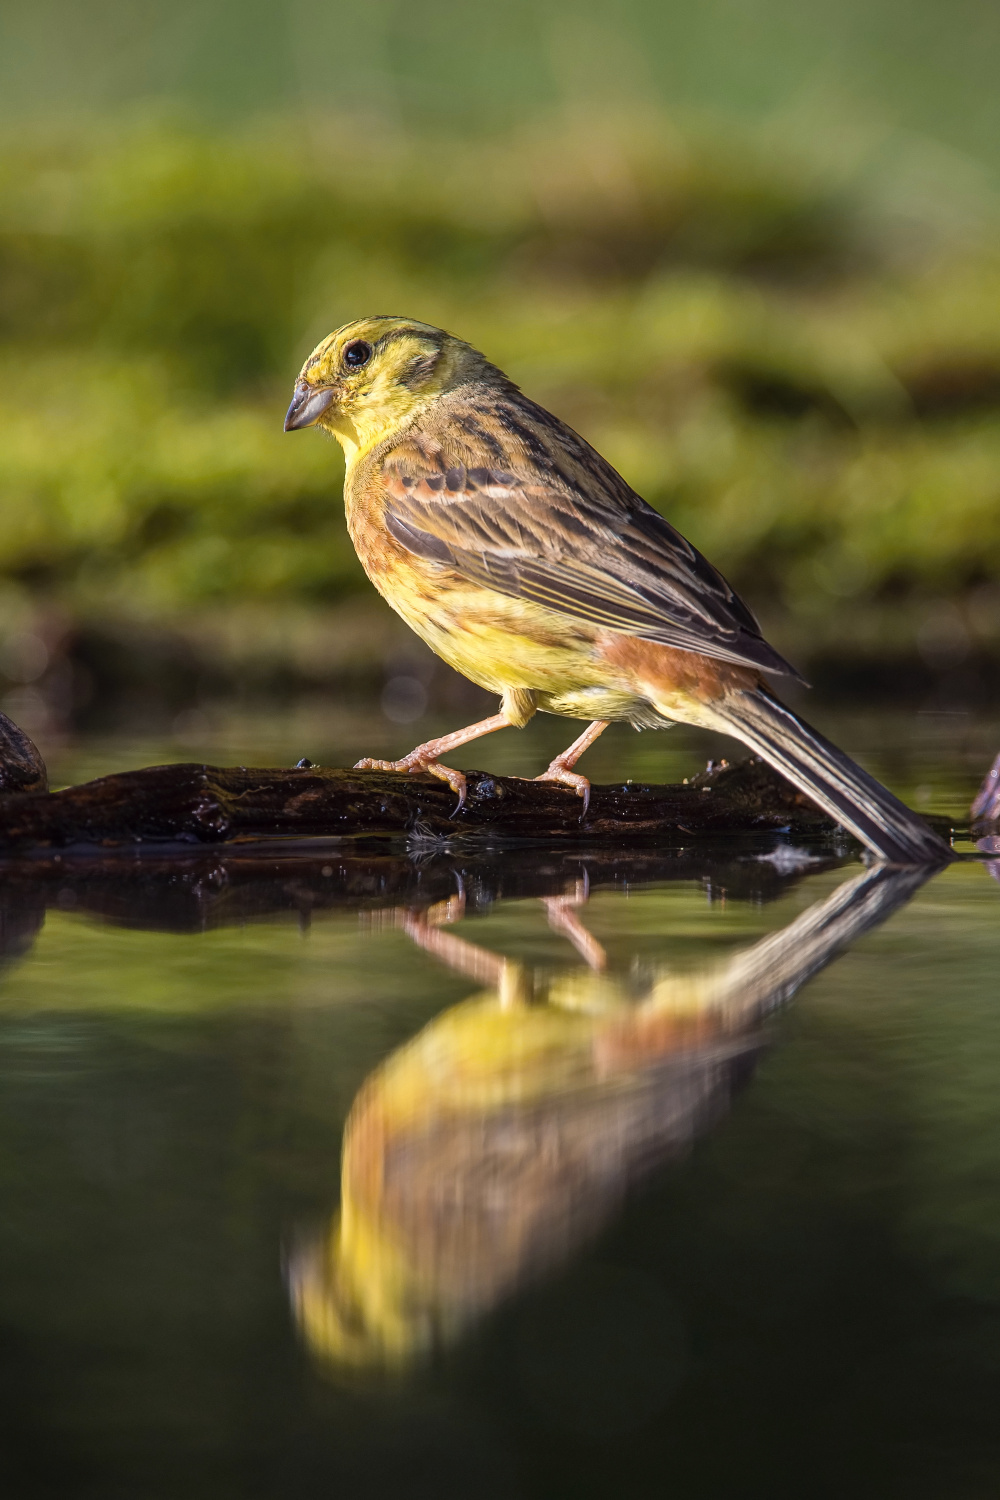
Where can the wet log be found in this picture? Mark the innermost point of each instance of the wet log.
(22, 768)
(197, 804)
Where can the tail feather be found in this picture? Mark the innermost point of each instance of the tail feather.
(830, 778)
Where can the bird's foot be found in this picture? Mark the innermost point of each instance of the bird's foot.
(418, 761)
(565, 777)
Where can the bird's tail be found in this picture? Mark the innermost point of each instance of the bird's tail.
(830, 778)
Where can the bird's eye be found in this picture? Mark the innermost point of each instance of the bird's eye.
(357, 354)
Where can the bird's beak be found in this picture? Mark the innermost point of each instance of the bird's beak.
(308, 405)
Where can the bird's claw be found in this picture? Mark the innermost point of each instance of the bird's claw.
(413, 764)
(564, 777)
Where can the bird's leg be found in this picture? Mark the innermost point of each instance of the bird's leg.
(561, 768)
(561, 912)
(502, 974)
(425, 757)
(464, 957)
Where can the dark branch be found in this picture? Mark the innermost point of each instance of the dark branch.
(194, 804)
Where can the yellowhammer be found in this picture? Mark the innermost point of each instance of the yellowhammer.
(525, 560)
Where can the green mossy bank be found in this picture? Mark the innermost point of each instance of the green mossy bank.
(807, 385)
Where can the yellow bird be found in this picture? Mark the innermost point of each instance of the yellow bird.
(501, 1138)
(527, 563)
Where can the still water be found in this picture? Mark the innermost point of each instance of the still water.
(453, 1171)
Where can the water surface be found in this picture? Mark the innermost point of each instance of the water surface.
(663, 1172)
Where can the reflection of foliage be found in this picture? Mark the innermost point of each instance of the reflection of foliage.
(818, 416)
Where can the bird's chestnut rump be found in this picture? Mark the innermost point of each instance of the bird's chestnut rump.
(529, 564)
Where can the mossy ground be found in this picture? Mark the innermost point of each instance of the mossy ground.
(806, 382)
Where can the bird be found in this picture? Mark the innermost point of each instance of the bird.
(528, 563)
(493, 1145)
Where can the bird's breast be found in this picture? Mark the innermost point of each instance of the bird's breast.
(495, 640)
(499, 641)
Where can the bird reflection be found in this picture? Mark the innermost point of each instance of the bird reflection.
(507, 1133)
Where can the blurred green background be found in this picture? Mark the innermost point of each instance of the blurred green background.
(749, 248)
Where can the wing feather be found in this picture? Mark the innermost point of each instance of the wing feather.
(596, 552)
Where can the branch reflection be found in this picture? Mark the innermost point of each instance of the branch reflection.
(507, 1133)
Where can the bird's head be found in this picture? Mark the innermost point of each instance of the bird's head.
(373, 376)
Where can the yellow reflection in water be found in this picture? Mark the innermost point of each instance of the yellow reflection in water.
(508, 1131)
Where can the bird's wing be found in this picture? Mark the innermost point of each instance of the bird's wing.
(607, 558)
